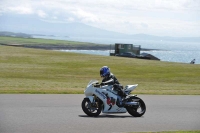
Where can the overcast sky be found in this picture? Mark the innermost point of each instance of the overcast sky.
(155, 17)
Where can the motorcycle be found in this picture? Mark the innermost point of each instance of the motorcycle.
(103, 98)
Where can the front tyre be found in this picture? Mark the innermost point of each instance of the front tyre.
(136, 111)
(91, 109)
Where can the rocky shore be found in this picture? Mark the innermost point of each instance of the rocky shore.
(67, 47)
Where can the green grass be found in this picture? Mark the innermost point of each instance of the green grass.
(38, 41)
(172, 132)
(25, 70)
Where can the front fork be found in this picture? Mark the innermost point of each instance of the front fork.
(95, 101)
(91, 98)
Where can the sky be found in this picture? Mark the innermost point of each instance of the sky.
(178, 18)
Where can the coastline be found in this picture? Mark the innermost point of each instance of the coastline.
(68, 47)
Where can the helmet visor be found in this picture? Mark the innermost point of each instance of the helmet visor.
(101, 73)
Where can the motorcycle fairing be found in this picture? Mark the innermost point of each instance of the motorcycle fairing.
(130, 88)
(109, 105)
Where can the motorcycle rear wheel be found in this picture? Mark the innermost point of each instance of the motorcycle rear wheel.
(137, 112)
(91, 109)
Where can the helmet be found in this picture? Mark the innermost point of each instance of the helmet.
(104, 71)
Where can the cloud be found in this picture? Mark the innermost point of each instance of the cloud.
(41, 14)
(20, 10)
(70, 19)
(11, 6)
(85, 16)
(127, 16)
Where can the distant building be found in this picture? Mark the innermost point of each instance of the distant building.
(120, 49)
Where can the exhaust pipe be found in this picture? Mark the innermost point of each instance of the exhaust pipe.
(131, 104)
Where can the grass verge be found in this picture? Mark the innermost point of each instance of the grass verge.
(171, 132)
(24, 70)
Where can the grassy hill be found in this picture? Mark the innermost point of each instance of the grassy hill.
(25, 70)
(49, 43)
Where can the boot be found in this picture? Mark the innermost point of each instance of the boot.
(123, 94)
(120, 93)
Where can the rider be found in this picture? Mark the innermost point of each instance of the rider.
(110, 79)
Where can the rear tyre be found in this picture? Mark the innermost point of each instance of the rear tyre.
(136, 111)
(91, 109)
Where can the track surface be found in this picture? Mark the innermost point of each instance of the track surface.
(63, 114)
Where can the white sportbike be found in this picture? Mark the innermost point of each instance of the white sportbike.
(106, 100)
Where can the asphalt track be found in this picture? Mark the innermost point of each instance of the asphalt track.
(63, 114)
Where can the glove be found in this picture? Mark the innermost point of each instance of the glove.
(97, 85)
(102, 84)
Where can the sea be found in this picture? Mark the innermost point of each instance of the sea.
(169, 51)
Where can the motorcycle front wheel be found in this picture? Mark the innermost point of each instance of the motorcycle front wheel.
(91, 109)
(140, 110)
